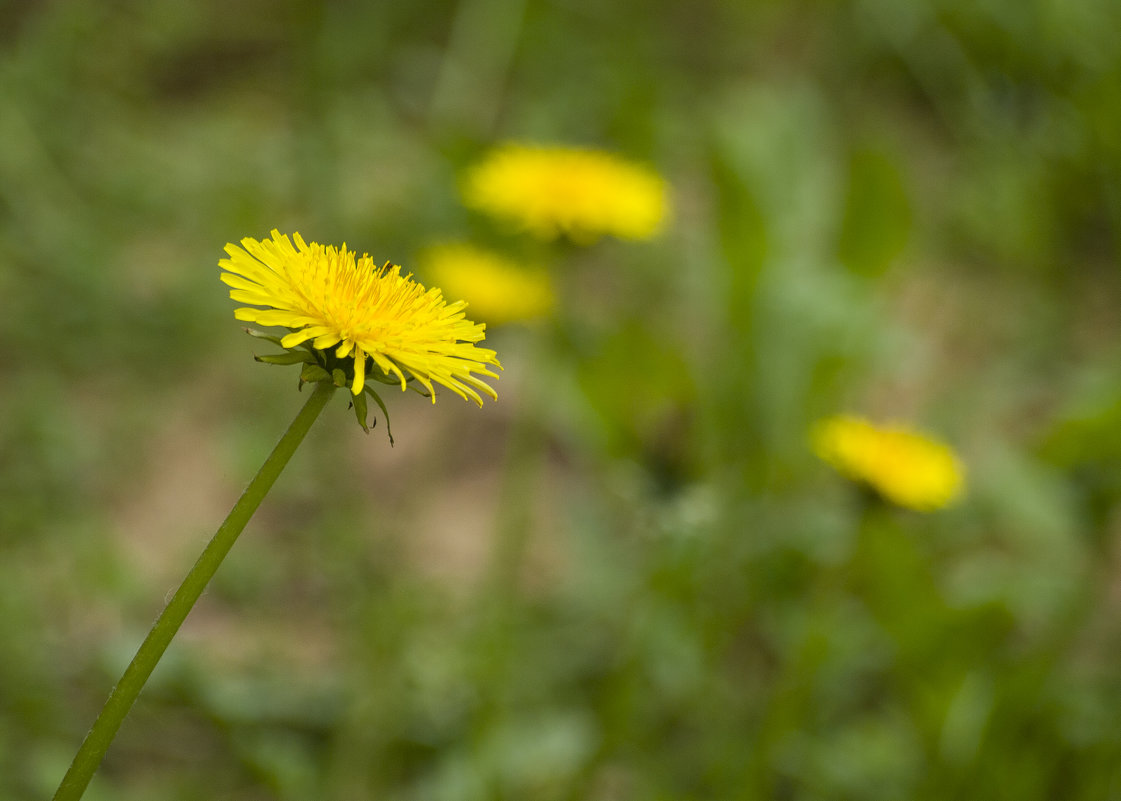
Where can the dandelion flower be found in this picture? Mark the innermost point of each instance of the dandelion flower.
(350, 309)
(904, 466)
(498, 289)
(557, 191)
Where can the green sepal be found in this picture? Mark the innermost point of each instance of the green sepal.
(288, 357)
(358, 403)
(253, 332)
(313, 373)
(383, 378)
(320, 366)
(384, 411)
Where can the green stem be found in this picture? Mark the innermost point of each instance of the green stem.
(105, 728)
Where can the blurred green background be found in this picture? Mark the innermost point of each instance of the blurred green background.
(629, 578)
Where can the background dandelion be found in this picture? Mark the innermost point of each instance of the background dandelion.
(900, 464)
(907, 209)
(565, 191)
(498, 289)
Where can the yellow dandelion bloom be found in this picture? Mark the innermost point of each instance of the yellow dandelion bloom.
(905, 467)
(498, 289)
(361, 311)
(558, 191)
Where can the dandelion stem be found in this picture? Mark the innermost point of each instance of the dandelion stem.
(97, 742)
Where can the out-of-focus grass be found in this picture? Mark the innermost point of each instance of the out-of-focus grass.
(629, 579)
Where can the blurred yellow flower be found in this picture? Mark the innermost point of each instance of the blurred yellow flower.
(905, 467)
(558, 191)
(327, 295)
(498, 289)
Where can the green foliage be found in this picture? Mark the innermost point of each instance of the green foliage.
(877, 215)
(629, 578)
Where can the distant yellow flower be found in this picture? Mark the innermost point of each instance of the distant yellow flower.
(555, 191)
(327, 295)
(498, 289)
(904, 466)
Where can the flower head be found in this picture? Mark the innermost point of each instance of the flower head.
(905, 467)
(498, 289)
(335, 300)
(555, 191)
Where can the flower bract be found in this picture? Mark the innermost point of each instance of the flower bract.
(557, 191)
(904, 466)
(499, 289)
(347, 307)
